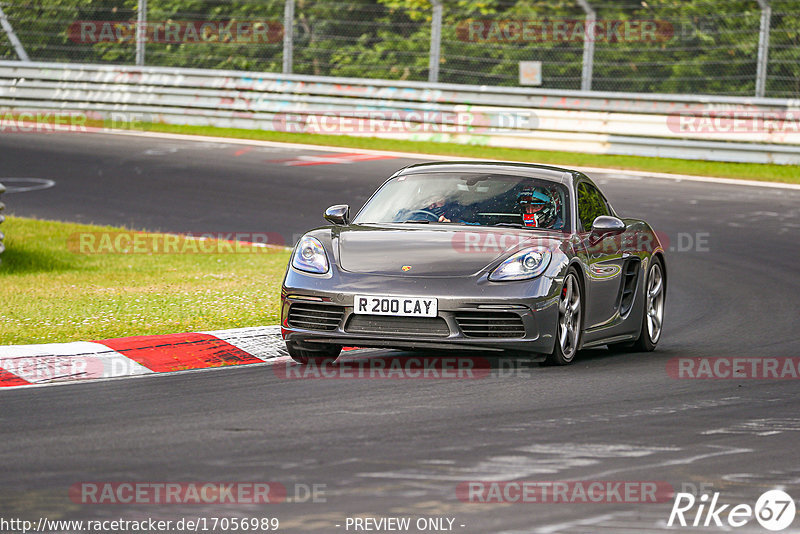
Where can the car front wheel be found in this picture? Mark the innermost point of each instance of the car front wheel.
(570, 322)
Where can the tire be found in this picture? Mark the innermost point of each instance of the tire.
(655, 292)
(319, 355)
(569, 328)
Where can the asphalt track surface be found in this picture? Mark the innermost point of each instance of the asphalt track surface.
(400, 447)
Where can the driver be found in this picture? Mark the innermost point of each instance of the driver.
(434, 211)
(539, 208)
(438, 208)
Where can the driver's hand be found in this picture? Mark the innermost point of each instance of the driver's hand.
(442, 218)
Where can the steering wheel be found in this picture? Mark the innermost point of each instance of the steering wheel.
(433, 216)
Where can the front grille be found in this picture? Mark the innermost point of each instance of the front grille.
(388, 324)
(315, 316)
(490, 324)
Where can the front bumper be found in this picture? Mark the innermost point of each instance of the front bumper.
(532, 306)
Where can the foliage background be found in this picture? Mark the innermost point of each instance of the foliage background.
(712, 50)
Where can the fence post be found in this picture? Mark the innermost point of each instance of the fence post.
(288, 36)
(763, 48)
(588, 45)
(21, 54)
(141, 31)
(436, 42)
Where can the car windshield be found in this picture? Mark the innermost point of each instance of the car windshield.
(478, 199)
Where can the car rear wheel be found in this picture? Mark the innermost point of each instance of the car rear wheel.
(570, 322)
(316, 355)
(653, 316)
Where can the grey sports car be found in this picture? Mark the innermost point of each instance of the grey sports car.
(476, 257)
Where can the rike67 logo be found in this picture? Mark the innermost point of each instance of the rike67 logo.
(774, 510)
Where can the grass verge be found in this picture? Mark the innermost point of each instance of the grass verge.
(748, 171)
(53, 293)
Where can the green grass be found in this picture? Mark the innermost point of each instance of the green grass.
(749, 171)
(51, 293)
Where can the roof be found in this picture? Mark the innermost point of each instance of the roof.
(548, 172)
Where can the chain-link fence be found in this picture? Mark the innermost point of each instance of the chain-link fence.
(722, 47)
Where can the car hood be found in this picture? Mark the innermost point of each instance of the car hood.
(432, 250)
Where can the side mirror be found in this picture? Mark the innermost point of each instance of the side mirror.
(605, 225)
(339, 214)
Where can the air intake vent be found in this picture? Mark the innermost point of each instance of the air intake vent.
(629, 277)
(315, 316)
(490, 324)
(390, 325)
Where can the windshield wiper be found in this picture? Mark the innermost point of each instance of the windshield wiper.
(417, 222)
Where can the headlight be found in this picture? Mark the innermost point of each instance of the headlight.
(525, 264)
(309, 256)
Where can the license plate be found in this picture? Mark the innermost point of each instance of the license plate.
(400, 306)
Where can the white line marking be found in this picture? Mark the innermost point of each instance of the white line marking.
(679, 461)
(41, 183)
(616, 173)
(587, 521)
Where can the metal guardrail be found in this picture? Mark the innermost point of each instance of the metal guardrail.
(592, 122)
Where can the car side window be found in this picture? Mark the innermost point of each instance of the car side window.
(591, 205)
